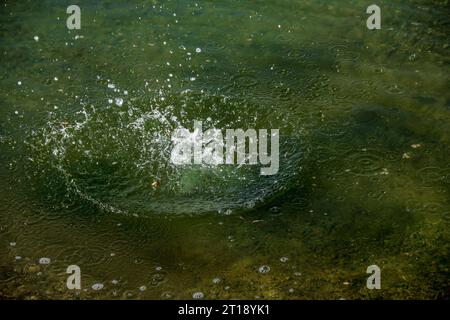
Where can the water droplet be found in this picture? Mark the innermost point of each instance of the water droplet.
(198, 295)
(44, 261)
(365, 162)
(394, 89)
(118, 101)
(264, 269)
(97, 286)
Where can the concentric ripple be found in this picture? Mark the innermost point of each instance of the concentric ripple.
(365, 162)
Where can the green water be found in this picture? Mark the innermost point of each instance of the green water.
(86, 117)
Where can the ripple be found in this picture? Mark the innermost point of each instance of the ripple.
(431, 174)
(446, 216)
(344, 52)
(240, 81)
(44, 261)
(433, 207)
(334, 129)
(394, 89)
(365, 162)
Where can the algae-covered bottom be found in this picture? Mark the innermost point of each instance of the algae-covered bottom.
(85, 171)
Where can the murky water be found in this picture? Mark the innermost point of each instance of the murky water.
(85, 146)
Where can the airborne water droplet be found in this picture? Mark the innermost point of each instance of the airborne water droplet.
(118, 101)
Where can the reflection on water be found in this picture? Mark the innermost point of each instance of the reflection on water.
(87, 117)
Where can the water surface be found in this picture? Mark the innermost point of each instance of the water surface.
(364, 147)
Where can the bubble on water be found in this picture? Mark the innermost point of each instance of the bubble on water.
(114, 281)
(264, 269)
(12, 244)
(18, 257)
(198, 50)
(365, 162)
(97, 286)
(142, 288)
(284, 259)
(193, 78)
(111, 86)
(216, 280)
(44, 261)
(198, 295)
(19, 83)
(118, 101)
(36, 38)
